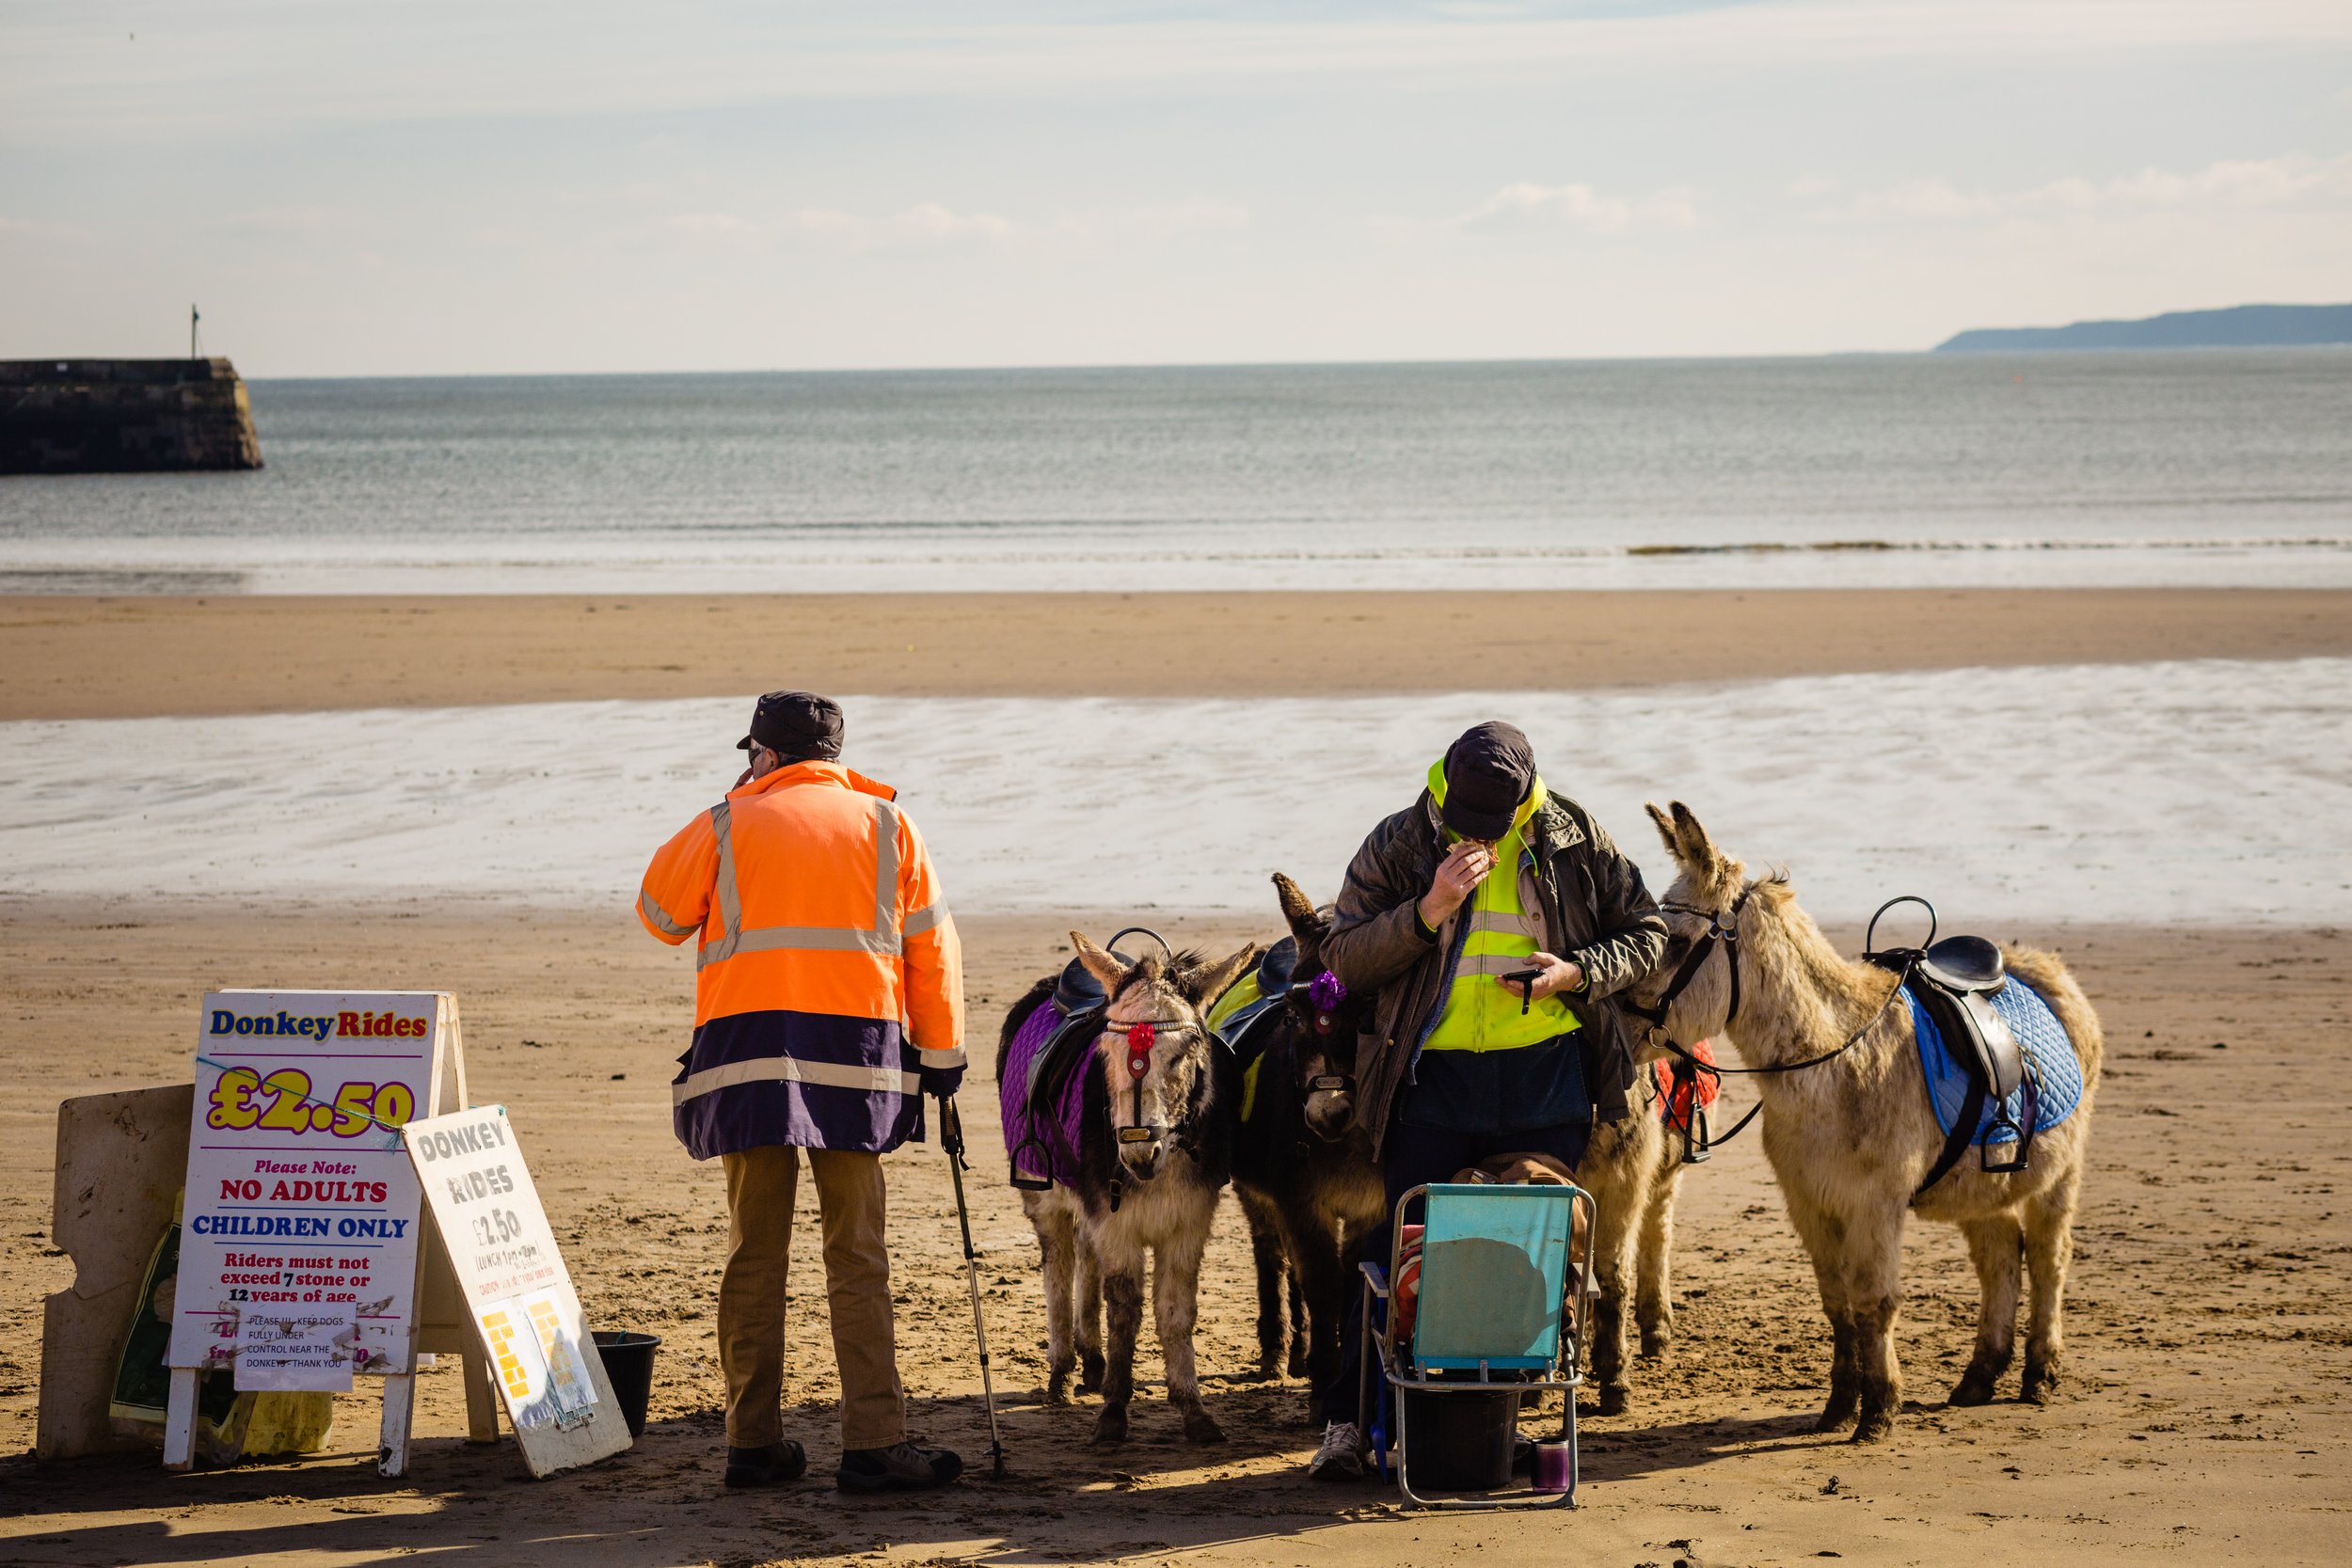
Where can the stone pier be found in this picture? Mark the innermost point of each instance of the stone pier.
(123, 416)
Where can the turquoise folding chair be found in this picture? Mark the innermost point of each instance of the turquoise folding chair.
(1494, 1299)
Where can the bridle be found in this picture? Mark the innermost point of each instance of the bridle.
(1139, 1037)
(1325, 994)
(1724, 928)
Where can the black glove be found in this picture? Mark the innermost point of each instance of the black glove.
(941, 1082)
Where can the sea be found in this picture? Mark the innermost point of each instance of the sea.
(2143, 468)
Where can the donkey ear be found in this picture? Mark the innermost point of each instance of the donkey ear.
(1297, 909)
(1691, 845)
(1665, 826)
(1209, 981)
(1107, 967)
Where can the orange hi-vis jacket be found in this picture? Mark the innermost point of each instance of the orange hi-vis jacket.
(829, 973)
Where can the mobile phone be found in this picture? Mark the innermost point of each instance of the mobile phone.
(1526, 978)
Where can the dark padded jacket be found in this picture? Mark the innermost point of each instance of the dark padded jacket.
(1596, 910)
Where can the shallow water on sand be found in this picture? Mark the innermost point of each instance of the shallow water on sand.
(2192, 792)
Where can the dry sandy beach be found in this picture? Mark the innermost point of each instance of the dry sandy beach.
(2207, 1414)
(129, 657)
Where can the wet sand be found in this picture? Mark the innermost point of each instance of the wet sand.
(2205, 1419)
(127, 658)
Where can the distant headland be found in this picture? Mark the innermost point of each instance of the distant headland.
(124, 416)
(2241, 326)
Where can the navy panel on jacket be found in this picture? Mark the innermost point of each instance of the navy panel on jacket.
(771, 1108)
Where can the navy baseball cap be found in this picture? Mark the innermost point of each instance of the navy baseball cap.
(1488, 771)
(796, 725)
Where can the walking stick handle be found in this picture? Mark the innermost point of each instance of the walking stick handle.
(952, 1132)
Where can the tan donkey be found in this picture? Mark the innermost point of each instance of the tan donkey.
(1852, 1137)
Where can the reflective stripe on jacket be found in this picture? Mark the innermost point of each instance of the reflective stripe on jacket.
(825, 944)
(1478, 1013)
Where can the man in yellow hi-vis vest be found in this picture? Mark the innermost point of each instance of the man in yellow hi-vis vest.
(1493, 920)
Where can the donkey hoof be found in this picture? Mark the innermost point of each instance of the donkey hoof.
(2040, 1384)
(1090, 1374)
(1110, 1428)
(1836, 1416)
(1614, 1397)
(1654, 1343)
(1201, 1427)
(1876, 1426)
(1058, 1386)
(1297, 1366)
(1974, 1388)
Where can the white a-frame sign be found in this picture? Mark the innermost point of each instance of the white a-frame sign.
(304, 1255)
(517, 1293)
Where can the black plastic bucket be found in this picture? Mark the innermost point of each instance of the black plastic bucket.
(1461, 1442)
(629, 1362)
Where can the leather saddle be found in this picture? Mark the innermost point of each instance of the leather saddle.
(1276, 972)
(1079, 998)
(1954, 981)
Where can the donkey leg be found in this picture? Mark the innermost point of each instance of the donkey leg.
(2049, 1253)
(1322, 1284)
(1302, 1353)
(1175, 1296)
(1874, 1281)
(1614, 1229)
(1058, 1239)
(1122, 1302)
(1993, 1244)
(1087, 1306)
(1654, 1306)
(1265, 1253)
(1823, 1235)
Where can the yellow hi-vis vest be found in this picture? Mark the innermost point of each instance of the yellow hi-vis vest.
(1506, 927)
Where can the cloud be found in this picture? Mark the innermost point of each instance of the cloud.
(930, 224)
(1527, 207)
(923, 225)
(2294, 180)
(269, 65)
(33, 230)
(300, 223)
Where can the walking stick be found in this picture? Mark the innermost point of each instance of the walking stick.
(951, 1139)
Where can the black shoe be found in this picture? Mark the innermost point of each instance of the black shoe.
(777, 1461)
(904, 1468)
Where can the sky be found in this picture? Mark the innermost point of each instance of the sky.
(447, 186)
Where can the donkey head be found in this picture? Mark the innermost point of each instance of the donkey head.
(1703, 908)
(1153, 1052)
(1323, 1020)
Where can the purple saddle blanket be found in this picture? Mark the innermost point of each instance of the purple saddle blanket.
(1043, 1145)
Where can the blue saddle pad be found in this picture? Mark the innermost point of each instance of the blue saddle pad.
(2057, 1077)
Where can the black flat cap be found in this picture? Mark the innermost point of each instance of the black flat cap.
(796, 725)
(1488, 771)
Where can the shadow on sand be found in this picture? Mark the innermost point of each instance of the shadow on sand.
(1062, 1500)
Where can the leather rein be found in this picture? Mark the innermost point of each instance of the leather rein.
(1723, 929)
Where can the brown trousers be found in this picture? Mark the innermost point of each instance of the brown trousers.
(761, 1184)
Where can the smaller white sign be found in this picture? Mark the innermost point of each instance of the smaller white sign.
(516, 1289)
(307, 1348)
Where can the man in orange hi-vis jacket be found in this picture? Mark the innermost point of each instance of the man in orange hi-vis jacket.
(828, 1001)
